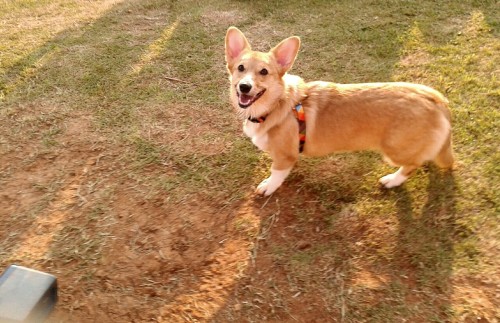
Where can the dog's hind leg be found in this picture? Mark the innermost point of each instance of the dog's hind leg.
(397, 178)
(444, 158)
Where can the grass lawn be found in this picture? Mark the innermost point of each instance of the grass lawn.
(124, 170)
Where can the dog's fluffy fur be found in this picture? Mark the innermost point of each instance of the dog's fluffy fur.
(408, 123)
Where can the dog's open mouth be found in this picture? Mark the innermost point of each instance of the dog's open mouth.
(245, 100)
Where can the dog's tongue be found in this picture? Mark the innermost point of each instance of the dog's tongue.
(245, 99)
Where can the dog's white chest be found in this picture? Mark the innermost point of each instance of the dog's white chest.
(251, 130)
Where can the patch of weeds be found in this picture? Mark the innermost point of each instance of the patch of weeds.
(302, 259)
(390, 308)
(81, 243)
(48, 137)
(96, 213)
(247, 226)
(467, 253)
(279, 253)
(77, 244)
(168, 183)
(229, 174)
(145, 152)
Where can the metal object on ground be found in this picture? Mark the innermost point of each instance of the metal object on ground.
(26, 295)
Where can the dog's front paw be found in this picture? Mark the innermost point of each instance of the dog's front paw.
(262, 188)
(265, 188)
(271, 184)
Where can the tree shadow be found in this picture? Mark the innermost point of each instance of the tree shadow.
(77, 71)
(91, 61)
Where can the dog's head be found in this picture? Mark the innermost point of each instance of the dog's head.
(257, 77)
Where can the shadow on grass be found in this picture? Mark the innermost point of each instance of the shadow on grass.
(81, 67)
(424, 254)
(97, 64)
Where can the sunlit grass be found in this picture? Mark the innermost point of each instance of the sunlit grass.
(155, 49)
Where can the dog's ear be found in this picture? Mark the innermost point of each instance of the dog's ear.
(236, 43)
(285, 53)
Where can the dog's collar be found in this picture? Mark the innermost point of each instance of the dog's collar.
(300, 115)
(257, 120)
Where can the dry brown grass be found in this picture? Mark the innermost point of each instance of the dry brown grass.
(124, 171)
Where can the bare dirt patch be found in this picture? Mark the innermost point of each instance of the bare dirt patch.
(119, 254)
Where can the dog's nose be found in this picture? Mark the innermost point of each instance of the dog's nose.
(245, 88)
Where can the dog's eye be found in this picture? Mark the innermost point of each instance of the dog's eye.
(241, 68)
(263, 72)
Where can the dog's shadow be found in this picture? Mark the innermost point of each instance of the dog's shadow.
(335, 180)
(424, 251)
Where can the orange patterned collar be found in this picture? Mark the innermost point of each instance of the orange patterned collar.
(298, 110)
(300, 115)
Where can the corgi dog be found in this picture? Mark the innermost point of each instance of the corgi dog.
(409, 124)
